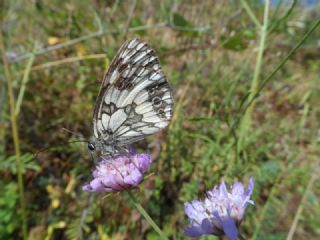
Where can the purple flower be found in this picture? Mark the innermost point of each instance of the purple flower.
(220, 212)
(119, 172)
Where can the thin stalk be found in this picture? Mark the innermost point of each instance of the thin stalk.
(246, 122)
(241, 237)
(266, 206)
(130, 15)
(24, 81)
(285, 16)
(15, 134)
(277, 68)
(147, 217)
(302, 203)
(281, 64)
(67, 60)
(101, 32)
(84, 215)
(248, 9)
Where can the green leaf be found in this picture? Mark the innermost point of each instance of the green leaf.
(200, 119)
(9, 164)
(269, 171)
(9, 218)
(180, 21)
(138, 22)
(238, 41)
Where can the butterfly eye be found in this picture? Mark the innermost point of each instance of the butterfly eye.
(91, 146)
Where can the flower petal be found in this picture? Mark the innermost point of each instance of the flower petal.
(143, 162)
(134, 178)
(195, 211)
(250, 187)
(193, 231)
(220, 212)
(94, 186)
(230, 229)
(119, 172)
(223, 189)
(207, 226)
(237, 189)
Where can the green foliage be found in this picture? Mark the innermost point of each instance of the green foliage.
(274, 236)
(138, 22)
(180, 21)
(238, 41)
(9, 217)
(268, 171)
(8, 165)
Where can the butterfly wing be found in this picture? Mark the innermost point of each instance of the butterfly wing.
(135, 99)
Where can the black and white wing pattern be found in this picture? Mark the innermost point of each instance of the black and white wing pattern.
(135, 99)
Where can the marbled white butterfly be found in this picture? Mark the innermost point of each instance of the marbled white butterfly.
(134, 101)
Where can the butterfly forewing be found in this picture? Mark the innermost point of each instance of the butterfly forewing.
(135, 99)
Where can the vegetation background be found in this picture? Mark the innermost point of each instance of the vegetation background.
(246, 104)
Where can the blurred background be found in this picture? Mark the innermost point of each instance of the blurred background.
(232, 118)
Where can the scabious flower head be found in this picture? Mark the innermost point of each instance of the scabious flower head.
(119, 172)
(220, 212)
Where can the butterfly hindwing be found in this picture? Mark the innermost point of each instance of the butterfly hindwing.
(135, 99)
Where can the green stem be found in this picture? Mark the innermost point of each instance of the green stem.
(241, 237)
(15, 134)
(266, 206)
(147, 217)
(292, 51)
(24, 81)
(285, 16)
(247, 8)
(278, 67)
(246, 122)
(302, 204)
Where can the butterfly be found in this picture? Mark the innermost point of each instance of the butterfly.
(135, 99)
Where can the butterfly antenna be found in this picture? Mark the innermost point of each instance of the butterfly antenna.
(35, 155)
(74, 133)
(52, 147)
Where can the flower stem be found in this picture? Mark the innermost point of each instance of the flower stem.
(24, 81)
(15, 135)
(147, 217)
(241, 237)
(250, 12)
(246, 121)
(276, 70)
